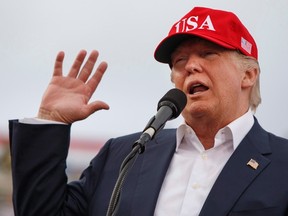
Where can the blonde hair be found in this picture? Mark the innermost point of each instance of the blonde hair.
(248, 63)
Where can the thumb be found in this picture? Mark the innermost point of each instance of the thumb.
(96, 106)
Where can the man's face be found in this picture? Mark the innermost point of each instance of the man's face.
(211, 78)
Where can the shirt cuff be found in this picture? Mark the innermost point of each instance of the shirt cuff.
(39, 121)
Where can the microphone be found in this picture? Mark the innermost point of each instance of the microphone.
(169, 107)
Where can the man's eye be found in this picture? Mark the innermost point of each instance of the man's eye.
(179, 59)
(208, 53)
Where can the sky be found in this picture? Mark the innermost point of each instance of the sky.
(126, 34)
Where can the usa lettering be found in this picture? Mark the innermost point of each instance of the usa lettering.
(191, 23)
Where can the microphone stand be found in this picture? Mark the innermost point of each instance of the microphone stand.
(127, 164)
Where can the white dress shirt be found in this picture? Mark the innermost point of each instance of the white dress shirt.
(193, 170)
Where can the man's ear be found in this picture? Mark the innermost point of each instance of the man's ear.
(250, 77)
(171, 76)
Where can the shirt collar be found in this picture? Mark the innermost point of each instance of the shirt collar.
(240, 127)
(236, 131)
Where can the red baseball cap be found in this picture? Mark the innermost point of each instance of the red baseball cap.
(220, 27)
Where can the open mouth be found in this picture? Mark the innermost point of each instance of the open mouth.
(197, 88)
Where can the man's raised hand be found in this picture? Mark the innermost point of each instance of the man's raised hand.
(67, 97)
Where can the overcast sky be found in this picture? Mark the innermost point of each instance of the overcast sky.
(125, 33)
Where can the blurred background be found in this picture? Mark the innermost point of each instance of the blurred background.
(125, 33)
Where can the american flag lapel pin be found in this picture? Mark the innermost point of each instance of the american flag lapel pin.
(253, 163)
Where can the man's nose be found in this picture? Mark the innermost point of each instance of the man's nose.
(193, 64)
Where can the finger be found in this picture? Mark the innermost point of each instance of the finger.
(58, 64)
(94, 81)
(88, 67)
(77, 64)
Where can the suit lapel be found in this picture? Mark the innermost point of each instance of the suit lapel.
(155, 162)
(236, 175)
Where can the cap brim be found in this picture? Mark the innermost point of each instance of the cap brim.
(167, 46)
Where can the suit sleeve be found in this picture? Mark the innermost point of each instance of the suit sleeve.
(38, 156)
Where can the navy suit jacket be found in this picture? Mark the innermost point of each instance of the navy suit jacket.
(40, 184)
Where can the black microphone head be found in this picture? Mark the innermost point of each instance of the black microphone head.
(175, 99)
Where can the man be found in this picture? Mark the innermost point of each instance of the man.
(219, 162)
